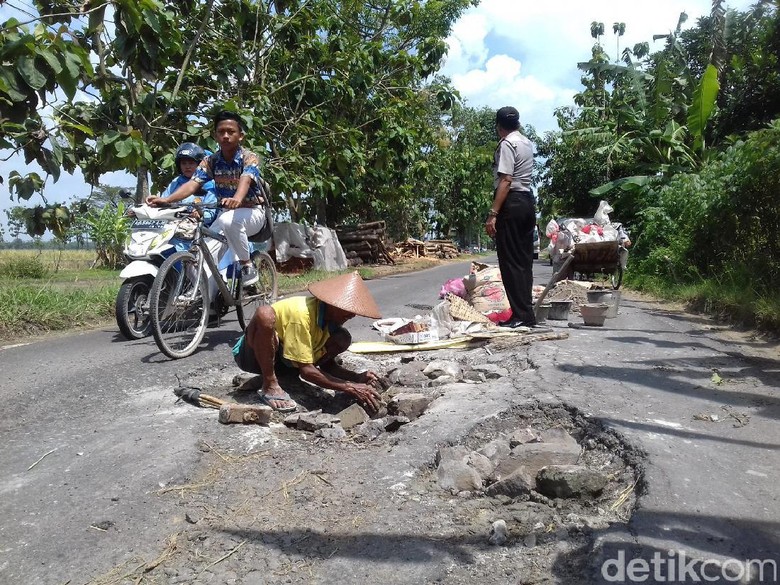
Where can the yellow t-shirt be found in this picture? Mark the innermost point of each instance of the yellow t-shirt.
(303, 340)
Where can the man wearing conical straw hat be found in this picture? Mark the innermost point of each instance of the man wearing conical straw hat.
(308, 333)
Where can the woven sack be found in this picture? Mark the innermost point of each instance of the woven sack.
(486, 291)
(462, 311)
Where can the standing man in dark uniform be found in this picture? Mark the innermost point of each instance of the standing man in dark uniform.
(512, 216)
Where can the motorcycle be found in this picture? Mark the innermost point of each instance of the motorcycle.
(153, 237)
(155, 234)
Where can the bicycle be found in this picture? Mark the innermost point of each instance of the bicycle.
(179, 300)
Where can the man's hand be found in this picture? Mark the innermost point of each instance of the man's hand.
(369, 378)
(230, 203)
(490, 226)
(156, 201)
(366, 395)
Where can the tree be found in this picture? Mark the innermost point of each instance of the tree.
(745, 48)
(333, 91)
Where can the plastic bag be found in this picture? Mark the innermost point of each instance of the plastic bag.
(602, 213)
(454, 286)
(441, 320)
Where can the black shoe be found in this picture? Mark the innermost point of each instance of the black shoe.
(512, 323)
(536, 328)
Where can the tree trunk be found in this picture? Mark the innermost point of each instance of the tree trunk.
(142, 185)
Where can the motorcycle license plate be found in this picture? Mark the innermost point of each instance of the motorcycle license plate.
(149, 224)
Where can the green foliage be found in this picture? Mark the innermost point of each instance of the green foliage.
(23, 267)
(745, 47)
(31, 308)
(336, 95)
(108, 228)
(718, 220)
(703, 104)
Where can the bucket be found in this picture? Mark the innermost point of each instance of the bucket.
(610, 297)
(559, 310)
(594, 313)
(613, 308)
(542, 312)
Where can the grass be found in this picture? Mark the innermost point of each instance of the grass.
(51, 290)
(27, 309)
(53, 260)
(729, 298)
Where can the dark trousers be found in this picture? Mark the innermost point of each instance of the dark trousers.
(515, 246)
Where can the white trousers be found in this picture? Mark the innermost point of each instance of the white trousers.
(236, 225)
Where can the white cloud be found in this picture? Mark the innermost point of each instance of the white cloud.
(522, 53)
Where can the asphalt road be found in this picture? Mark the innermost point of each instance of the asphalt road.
(90, 435)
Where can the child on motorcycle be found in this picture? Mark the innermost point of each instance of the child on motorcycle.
(188, 157)
(236, 174)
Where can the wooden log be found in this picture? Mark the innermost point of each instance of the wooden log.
(356, 238)
(372, 224)
(247, 414)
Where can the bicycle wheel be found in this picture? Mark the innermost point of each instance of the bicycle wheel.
(263, 292)
(179, 311)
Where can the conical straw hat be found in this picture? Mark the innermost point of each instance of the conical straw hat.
(347, 292)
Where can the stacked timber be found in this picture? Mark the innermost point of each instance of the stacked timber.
(414, 248)
(364, 243)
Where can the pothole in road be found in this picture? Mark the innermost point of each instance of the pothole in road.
(539, 481)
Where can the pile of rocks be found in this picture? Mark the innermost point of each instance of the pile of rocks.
(528, 462)
(441, 372)
(398, 409)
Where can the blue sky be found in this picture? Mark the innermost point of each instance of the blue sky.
(502, 52)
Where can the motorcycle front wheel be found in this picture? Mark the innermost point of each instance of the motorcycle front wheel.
(132, 307)
(179, 306)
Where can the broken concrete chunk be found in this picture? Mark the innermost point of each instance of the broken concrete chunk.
(491, 371)
(438, 368)
(410, 374)
(311, 422)
(567, 481)
(245, 381)
(482, 464)
(291, 420)
(409, 405)
(245, 414)
(515, 484)
(443, 381)
(352, 416)
(474, 376)
(453, 453)
(498, 533)
(495, 450)
(557, 435)
(370, 429)
(335, 433)
(534, 456)
(456, 476)
(393, 423)
(523, 436)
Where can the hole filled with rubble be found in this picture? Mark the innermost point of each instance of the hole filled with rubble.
(541, 480)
